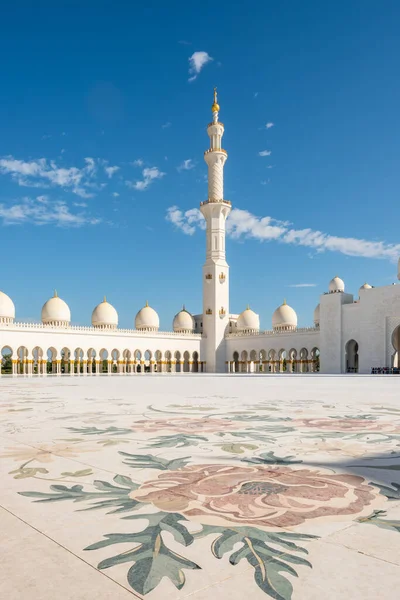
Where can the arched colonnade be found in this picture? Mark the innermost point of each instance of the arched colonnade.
(272, 361)
(67, 361)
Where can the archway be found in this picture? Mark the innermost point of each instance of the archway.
(103, 355)
(115, 356)
(263, 360)
(236, 362)
(91, 360)
(127, 362)
(168, 361)
(158, 359)
(65, 359)
(272, 361)
(282, 360)
(79, 366)
(177, 357)
(396, 346)
(6, 360)
(186, 358)
(315, 360)
(244, 359)
(351, 356)
(303, 360)
(22, 354)
(195, 362)
(51, 355)
(292, 362)
(254, 362)
(147, 361)
(37, 355)
(138, 357)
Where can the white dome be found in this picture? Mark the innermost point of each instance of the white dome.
(248, 320)
(147, 319)
(7, 309)
(284, 318)
(105, 316)
(316, 314)
(336, 285)
(365, 286)
(56, 312)
(183, 322)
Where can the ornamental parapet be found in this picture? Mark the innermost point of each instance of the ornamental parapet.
(271, 332)
(93, 330)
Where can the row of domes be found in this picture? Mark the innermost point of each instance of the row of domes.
(56, 312)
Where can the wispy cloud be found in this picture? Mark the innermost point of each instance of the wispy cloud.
(269, 125)
(197, 61)
(46, 173)
(303, 285)
(41, 211)
(265, 153)
(166, 125)
(265, 182)
(242, 224)
(149, 175)
(138, 162)
(46, 136)
(111, 170)
(115, 194)
(186, 221)
(184, 43)
(186, 165)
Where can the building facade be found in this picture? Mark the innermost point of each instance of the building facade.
(348, 335)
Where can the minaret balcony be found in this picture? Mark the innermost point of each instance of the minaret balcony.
(216, 150)
(212, 201)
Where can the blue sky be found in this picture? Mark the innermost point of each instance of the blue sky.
(103, 117)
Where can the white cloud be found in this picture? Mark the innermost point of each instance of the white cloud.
(43, 173)
(187, 165)
(255, 94)
(265, 153)
(111, 170)
(186, 221)
(149, 175)
(269, 125)
(115, 194)
(242, 224)
(197, 61)
(41, 211)
(265, 182)
(166, 125)
(46, 136)
(303, 285)
(138, 162)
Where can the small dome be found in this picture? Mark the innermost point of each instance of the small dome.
(284, 318)
(336, 285)
(316, 315)
(365, 286)
(147, 319)
(248, 321)
(56, 312)
(105, 316)
(183, 322)
(7, 309)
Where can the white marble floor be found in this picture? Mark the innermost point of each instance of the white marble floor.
(200, 486)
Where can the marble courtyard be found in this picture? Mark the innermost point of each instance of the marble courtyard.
(200, 486)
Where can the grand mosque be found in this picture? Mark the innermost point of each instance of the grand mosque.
(349, 335)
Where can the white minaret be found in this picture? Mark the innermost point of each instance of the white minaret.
(215, 270)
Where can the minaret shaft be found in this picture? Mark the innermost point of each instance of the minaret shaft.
(215, 270)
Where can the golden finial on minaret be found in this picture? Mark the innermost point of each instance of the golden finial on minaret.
(147, 303)
(284, 301)
(104, 299)
(55, 294)
(215, 106)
